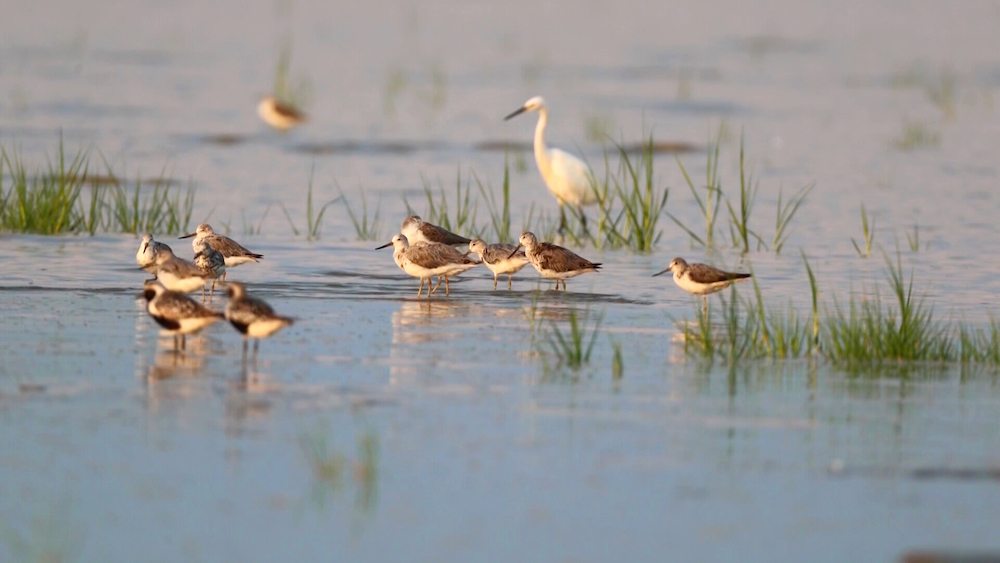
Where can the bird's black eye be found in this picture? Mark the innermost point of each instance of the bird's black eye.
(149, 294)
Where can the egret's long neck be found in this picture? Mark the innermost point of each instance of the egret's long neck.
(541, 151)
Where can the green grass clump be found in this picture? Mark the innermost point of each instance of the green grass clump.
(50, 200)
(44, 202)
(709, 205)
(868, 230)
(365, 227)
(572, 349)
(916, 135)
(463, 220)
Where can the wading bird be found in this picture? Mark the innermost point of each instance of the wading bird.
(427, 260)
(701, 279)
(552, 261)
(567, 177)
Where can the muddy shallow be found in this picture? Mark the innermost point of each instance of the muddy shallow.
(382, 427)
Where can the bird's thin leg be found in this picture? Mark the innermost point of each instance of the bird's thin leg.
(256, 348)
(203, 293)
(421, 288)
(184, 342)
(494, 282)
(245, 342)
(704, 310)
(437, 285)
(177, 342)
(211, 294)
(509, 286)
(562, 219)
(224, 276)
(447, 288)
(583, 222)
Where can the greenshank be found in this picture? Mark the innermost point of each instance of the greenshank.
(146, 255)
(553, 261)
(232, 251)
(279, 115)
(427, 260)
(701, 279)
(499, 258)
(417, 230)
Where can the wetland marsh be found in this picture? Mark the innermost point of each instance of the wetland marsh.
(478, 426)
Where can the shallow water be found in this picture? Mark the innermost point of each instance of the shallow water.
(382, 427)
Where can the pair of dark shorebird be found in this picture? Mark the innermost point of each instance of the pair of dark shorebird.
(424, 250)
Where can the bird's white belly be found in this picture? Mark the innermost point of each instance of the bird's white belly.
(194, 324)
(507, 265)
(237, 260)
(691, 286)
(265, 328)
(183, 285)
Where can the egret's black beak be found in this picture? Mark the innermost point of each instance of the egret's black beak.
(384, 245)
(515, 252)
(663, 272)
(188, 236)
(516, 113)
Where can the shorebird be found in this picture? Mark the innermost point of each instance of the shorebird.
(417, 230)
(567, 177)
(252, 317)
(146, 255)
(701, 279)
(177, 274)
(177, 313)
(553, 261)
(427, 260)
(211, 262)
(279, 115)
(498, 258)
(232, 251)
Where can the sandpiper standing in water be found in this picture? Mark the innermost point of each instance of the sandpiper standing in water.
(417, 230)
(232, 251)
(279, 115)
(427, 260)
(178, 314)
(701, 279)
(553, 261)
(252, 317)
(148, 250)
(177, 274)
(499, 259)
(210, 261)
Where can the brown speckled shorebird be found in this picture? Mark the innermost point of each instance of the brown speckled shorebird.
(210, 261)
(252, 317)
(177, 274)
(146, 255)
(701, 279)
(553, 261)
(279, 115)
(232, 251)
(417, 230)
(426, 260)
(177, 313)
(498, 258)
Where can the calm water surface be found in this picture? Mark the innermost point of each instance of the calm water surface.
(381, 427)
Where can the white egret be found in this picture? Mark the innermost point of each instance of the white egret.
(567, 177)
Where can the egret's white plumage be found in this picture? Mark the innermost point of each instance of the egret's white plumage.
(567, 177)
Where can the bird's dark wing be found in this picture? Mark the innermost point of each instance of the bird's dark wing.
(443, 236)
(703, 273)
(557, 258)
